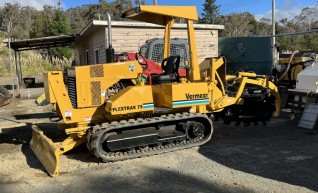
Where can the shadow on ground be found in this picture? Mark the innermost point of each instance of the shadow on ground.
(35, 85)
(22, 135)
(151, 180)
(34, 116)
(280, 151)
(159, 180)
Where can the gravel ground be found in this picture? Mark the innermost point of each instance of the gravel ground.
(278, 157)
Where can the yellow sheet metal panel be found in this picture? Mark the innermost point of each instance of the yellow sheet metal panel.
(161, 14)
(194, 64)
(295, 60)
(186, 12)
(49, 152)
(59, 93)
(47, 88)
(182, 95)
(87, 113)
(82, 94)
(205, 65)
(93, 81)
(162, 95)
(131, 100)
(41, 99)
(167, 34)
(157, 99)
(45, 151)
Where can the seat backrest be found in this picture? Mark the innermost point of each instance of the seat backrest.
(170, 65)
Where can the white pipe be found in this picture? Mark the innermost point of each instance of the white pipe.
(11, 65)
(288, 65)
(109, 23)
(291, 34)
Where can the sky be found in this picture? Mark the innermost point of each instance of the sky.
(260, 8)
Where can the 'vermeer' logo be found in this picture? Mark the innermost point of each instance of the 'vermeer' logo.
(196, 96)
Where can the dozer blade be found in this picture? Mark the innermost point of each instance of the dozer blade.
(45, 151)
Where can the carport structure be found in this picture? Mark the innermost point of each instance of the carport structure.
(36, 44)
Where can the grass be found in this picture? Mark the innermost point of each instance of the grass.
(32, 62)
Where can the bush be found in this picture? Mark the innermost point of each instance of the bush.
(32, 63)
(61, 53)
(3, 70)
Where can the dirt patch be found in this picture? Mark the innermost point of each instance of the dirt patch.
(278, 157)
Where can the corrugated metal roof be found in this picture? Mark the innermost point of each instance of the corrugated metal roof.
(42, 43)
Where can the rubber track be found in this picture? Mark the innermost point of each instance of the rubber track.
(98, 131)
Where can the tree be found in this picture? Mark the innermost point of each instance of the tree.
(15, 20)
(118, 7)
(41, 22)
(138, 2)
(77, 19)
(238, 24)
(23, 30)
(263, 27)
(305, 21)
(210, 12)
(52, 22)
(307, 17)
(59, 24)
(37, 28)
(93, 11)
(10, 17)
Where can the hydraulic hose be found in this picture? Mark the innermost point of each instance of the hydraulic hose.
(288, 65)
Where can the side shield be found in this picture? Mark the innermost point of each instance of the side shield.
(45, 151)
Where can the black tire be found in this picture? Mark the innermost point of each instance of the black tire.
(4, 96)
(4, 92)
(1, 101)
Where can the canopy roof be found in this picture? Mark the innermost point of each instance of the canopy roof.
(41, 43)
(161, 14)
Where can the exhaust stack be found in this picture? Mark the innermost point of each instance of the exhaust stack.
(110, 52)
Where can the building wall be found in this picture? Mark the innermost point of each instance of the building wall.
(129, 39)
(91, 43)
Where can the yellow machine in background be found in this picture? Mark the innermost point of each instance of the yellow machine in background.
(290, 65)
(113, 107)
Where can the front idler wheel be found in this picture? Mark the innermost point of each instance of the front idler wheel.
(196, 130)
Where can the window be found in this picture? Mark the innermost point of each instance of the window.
(87, 57)
(144, 50)
(81, 59)
(96, 56)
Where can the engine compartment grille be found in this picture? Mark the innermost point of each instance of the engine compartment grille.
(95, 92)
(71, 88)
(96, 71)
